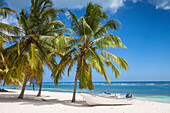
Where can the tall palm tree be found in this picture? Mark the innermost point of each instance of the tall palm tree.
(40, 44)
(42, 16)
(4, 37)
(89, 49)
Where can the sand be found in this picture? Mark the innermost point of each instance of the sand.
(58, 102)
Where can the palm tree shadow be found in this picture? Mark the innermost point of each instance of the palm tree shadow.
(38, 101)
(64, 102)
(41, 102)
(11, 97)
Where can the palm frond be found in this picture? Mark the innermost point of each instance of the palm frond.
(73, 61)
(6, 11)
(59, 69)
(109, 64)
(9, 29)
(74, 21)
(24, 24)
(100, 65)
(122, 63)
(94, 15)
(5, 36)
(90, 82)
(108, 41)
(111, 24)
(82, 71)
(86, 28)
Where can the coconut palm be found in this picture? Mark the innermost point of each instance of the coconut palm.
(40, 44)
(44, 24)
(89, 49)
(4, 37)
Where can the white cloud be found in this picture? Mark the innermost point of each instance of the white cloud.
(9, 20)
(109, 5)
(112, 5)
(134, 1)
(161, 4)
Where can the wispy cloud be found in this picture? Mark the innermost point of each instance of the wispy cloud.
(108, 5)
(161, 4)
(112, 5)
(11, 19)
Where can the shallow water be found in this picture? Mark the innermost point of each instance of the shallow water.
(152, 91)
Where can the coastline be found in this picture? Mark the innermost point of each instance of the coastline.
(150, 91)
(61, 102)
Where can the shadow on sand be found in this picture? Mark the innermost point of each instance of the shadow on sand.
(38, 101)
(11, 97)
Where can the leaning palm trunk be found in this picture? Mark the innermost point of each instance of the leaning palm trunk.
(75, 82)
(75, 85)
(4, 84)
(2, 57)
(23, 88)
(39, 93)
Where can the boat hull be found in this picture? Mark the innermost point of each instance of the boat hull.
(100, 100)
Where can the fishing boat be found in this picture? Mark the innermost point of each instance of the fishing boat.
(92, 99)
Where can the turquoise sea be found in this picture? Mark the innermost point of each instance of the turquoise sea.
(158, 91)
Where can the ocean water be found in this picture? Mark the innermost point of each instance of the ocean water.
(152, 91)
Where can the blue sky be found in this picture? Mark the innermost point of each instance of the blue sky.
(145, 30)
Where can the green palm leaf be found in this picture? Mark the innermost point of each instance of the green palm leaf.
(90, 82)
(109, 64)
(6, 11)
(111, 24)
(122, 63)
(108, 41)
(101, 65)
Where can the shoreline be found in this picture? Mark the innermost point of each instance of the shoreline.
(61, 102)
(151, 97)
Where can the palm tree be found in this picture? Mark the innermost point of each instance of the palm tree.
(39, 45)
(42, 16)
(6, 28)
(89, 49)
(43, 39)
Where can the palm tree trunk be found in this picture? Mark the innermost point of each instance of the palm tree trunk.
(23, 88)
(39, 93)
(2, 57)
(75, 85)
(76, 78)
(4, 84)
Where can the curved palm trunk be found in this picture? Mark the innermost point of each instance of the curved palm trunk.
(75, 81)
(23, 88)
(75, 85)
(4, 84)
(39, 93)
(2, 57)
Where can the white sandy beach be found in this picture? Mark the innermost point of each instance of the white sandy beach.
(57, 102)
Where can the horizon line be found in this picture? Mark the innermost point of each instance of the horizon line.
(127, 81)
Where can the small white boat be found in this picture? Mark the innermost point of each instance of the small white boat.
(92, 99)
